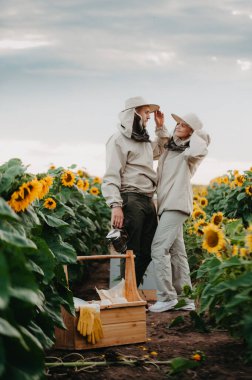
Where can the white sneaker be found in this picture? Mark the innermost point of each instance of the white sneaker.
(160, 306)
(189, 306)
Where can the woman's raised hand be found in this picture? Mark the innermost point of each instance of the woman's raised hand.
(159, 119)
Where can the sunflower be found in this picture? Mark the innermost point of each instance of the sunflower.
(50, 203)
(243, 252)
(217, 218)
(199, 225)
(97, 180)
(248, 190)
(190, 231)
(34, 187)
(94, 190)
(239, 179)
(24, 191)
(198, 213)
(68, 178)
(85, 185)
(235, 250)
(248, 239)
(232, 185)
(203, 202)
(204, 193)
(46, 183)
(218, 180)
(80, 184)
(225, 180)
(80, 173)
(196, 197)
(25, 195)
(52, 167)
(214, 238)
(19, 200)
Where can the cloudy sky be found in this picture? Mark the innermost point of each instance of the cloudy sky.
(67, 66)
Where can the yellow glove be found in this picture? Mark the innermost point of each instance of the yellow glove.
(86, 320)
(91, 338)
(97, 328)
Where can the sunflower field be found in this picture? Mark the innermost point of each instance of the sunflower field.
(218, 239)
(47, 219)
(45, 222)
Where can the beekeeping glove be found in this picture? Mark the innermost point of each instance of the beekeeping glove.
(86, 320)
(97, 327)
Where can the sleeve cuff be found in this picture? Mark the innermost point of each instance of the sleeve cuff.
(112, 205)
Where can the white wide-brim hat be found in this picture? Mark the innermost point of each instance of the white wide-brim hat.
(191, 119)
(138, 101)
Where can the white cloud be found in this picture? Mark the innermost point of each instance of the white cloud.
(160, 58)
(236, 13)
(25, 43)
(244, 65)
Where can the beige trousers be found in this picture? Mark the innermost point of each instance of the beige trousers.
(171, 269)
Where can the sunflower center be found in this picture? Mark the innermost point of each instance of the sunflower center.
(26, 192)
(19, 198)
(68, 178)
(217, 220)
(212, 239)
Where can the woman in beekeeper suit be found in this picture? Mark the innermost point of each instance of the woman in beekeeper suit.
(182, 155)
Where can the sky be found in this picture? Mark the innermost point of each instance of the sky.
(67, 67)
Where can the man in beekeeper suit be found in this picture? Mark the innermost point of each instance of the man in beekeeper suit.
(130, 180)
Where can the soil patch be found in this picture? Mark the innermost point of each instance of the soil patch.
(223, 354)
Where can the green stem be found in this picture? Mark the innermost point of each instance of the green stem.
(105, 363)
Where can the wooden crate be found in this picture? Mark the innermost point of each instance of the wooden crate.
(122, 323)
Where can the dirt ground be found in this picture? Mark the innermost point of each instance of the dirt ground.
(224, 355)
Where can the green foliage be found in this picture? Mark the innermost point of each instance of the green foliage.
(20, 300)
(180, 364)
(222, 277)
(224, 289)
(34, 246)
(231, 198)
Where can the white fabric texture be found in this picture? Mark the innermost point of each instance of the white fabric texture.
(175, 170)
(171, 269)
(129, 163)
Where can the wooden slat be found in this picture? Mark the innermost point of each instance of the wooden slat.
(122, 305)
(123, 315)
(66, 338)
(119, 305)
(131, 292)
(114, 335)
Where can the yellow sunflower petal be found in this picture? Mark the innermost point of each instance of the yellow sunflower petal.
(214, 238)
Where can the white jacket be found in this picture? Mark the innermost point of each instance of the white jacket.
(129, 163)
(175, 170)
